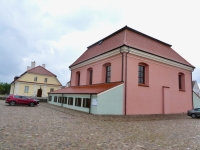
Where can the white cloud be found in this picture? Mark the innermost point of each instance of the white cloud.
(57, 32)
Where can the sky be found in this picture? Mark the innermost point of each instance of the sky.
(57, 32)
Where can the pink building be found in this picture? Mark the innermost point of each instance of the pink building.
(146, 76)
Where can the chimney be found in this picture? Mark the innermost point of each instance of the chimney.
(43, 65)
(32, 64)
(15, 78)
(28, 68)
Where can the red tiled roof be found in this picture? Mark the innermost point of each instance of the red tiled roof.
(132, 38)
(40, 70)
(86, 89)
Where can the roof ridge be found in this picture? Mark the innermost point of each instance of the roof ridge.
(42, 68)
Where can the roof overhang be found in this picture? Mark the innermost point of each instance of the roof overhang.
(135, 52)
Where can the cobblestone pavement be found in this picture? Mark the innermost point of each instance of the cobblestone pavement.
(51, 127)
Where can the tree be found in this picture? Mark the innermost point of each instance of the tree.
(4, 88)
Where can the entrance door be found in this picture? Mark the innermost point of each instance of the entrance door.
(166, 100)
(39, 92)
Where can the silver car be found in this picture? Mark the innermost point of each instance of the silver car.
(194, 113)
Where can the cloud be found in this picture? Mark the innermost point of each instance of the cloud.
(57, 32)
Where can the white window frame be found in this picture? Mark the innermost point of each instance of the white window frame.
(35, 78)
(26, 89)
(45, 79)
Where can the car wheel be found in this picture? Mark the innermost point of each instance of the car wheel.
(31, 104)
(12, 103)
(193, 116)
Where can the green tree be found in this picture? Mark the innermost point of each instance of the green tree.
(4, 88)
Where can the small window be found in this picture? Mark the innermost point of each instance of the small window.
(70, 100)
(35, 78)
(65, 100)
(55, 99)
(51, 89)
(45, 79)
(78, 102)
(26, 88)
(50, 98)
(108, 73)
(59, 99)
(86, 102)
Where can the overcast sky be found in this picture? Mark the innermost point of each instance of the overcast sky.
(57, 32)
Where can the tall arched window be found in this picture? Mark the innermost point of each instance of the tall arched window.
(107, 72)
(181, 81)
(89, 76)
(143, 74)
(78, 75)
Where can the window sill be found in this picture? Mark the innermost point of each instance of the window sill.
(143, 85)
(181, 90)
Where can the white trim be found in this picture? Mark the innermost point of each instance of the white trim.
(109, 54)
(159, 59)
(110, 89)
(136, 53)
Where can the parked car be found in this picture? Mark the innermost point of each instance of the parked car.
(194, 113)
(23, 100)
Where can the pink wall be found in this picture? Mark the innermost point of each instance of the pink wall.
(97, 71)
(144, 100)
(149, 100)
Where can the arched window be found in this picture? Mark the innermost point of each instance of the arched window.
(89, 76)
(181, 81)
(107, 72)
(143, 74)
(78, 75)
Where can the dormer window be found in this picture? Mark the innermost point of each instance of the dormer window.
(35, 78)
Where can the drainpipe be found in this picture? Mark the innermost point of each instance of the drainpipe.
(90, 102)
(126, 77)
(122, 79)
(192, 91)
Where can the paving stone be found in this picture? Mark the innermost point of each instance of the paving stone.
(49, 127)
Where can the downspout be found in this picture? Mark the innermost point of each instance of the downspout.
(126, 78)
(90, 102)
(122, 79)
(70, 77)
(192, 91)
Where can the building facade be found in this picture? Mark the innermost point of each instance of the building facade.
(36, 82)
(151, 77)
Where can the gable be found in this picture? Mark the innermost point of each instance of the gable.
(40, 70)
(29, 77)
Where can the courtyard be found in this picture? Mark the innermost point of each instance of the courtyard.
(49, 127)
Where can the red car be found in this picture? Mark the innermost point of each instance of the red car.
(23, 100)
